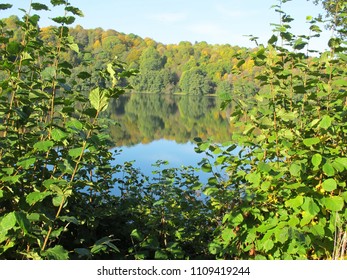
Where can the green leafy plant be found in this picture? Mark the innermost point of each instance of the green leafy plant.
(286, 193)
(54, 157)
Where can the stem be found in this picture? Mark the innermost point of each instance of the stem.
(84, 145)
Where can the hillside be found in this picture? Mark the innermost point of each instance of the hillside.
(198, 68)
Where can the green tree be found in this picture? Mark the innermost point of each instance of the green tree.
(336, 11)
(195, 81)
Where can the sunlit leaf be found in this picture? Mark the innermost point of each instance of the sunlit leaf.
(99, 99)
(295, 170)
(334, 203)
(227, 234)
(34, 197)
(316, 159)
(44, 145)
(310, 206)
(325, 123)
(329, 185)
(76, 152)
(295, 202)
(26, 163)
(8, 221)
(328, 169)
(58, 134)
(311, 141)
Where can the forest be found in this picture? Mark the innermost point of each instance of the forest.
(198, 69)
(276, 187)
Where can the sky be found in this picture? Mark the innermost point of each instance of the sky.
(172, 21)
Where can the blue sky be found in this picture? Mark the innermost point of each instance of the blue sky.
(172, 21)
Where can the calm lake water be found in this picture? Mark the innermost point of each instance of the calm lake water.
(162, 127)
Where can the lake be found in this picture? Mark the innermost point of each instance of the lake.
(155, 127)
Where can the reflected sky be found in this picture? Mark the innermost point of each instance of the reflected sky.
(147, 154)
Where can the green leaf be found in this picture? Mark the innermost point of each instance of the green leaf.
(69, 219)
(58, 2)
(334, 203)
(48, 73)
(310, 206)
(268, 245)
(99, 99)
(272, 40)
(11, 179)
(160, 255)
(236, 219)
(299, 44)
(136, 234)
(74, 124)
(316, 160)
(103, 244)
(23, 222)
(264, 167)
(214, 248)
(64, 20)
(13, 47)
(44, 146)
(56, 253)
(293, 221)
(39, 7)
(227, 234)
(240, 63)
(26, 163)
(311, 141)
(74, 47)
(8, 221)
(206, 167)
(58, 135)
(76, 152)
(282, 235)
(254, 178)
(328, 169)
(325, 123)
(5, 6)
(305, 218)
(84, 75)
(58, 200)
(342, 161)
(295, 170)
(318, 230)
(74, 11)
(329, 185)
(34, 197)
(1, 193)
(295, 202)
(344, 196)
(260, 257)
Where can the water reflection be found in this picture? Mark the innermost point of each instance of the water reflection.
(162, 127)
(144, 118)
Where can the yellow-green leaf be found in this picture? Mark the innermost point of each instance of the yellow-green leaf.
(329, 185)
(334, 203)
(98, 99)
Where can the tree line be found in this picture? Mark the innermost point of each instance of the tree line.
(198, 68)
